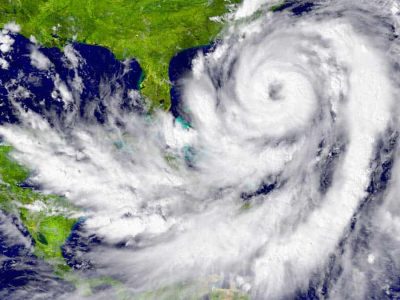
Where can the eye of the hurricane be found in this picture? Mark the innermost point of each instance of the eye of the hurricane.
(279, 91)
(275, 91)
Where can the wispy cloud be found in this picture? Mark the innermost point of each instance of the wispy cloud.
(295, 103)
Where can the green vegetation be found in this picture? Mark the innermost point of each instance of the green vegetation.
(261, 11)
(49, 232)
(151, 31)
(246, 206)
(48, 226)
(11, 172)
(51, 225)
(87, 286)
(277, 6)
(195, 290)
(225, 294)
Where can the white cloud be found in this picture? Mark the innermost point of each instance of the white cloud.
(39, 60)
(12, 27)
(4, 64)
(268, 105)
(6, 43)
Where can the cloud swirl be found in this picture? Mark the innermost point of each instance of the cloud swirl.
(293, 121)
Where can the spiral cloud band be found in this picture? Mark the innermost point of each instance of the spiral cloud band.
(284, 184)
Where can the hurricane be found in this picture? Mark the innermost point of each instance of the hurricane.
(274, 173)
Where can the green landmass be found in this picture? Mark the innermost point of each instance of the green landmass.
(277, 6)
(49, 226)
(227, 294)
(202, 288)
(87, 286)
(261, 11)
(151, 31)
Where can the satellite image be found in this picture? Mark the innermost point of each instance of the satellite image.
(199, 149)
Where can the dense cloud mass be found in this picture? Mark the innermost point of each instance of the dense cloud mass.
(284, 185)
